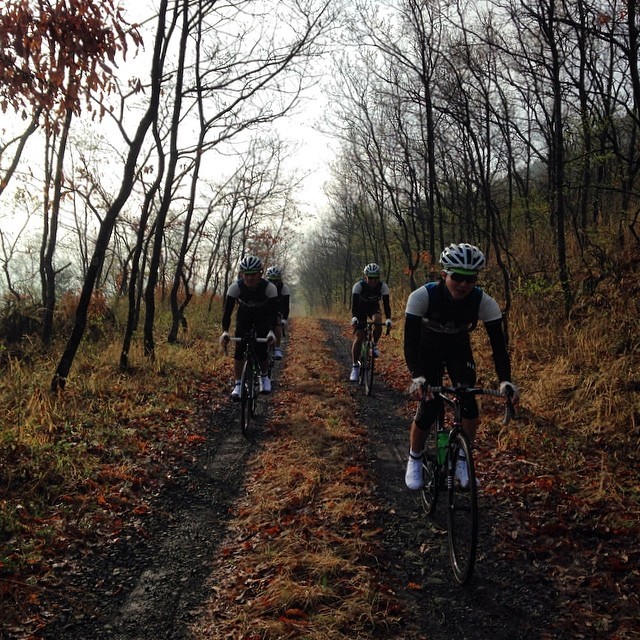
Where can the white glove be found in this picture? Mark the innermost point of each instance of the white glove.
(508, 388)
(271, 337)
(417, 384)
(389, 323)
(354, 321)
(224, 339)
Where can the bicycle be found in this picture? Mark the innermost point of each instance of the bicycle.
(442, 448)
(250, 380)
(366, 361)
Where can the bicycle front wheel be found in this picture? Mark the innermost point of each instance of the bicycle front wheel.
(462, 514)
(431, 474)
(247, 397)
(368, 374)
(363, 364)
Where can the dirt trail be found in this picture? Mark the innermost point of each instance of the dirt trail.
(150, 582)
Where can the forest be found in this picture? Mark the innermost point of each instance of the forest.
(144, 152)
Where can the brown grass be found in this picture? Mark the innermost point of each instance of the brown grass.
(307, 564)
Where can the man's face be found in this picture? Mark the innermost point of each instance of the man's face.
(459, 285)
(372, 280)
(251, 279)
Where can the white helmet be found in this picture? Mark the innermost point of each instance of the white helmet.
(274, 273)
(372, 270)
(250, 264)
(462, 257)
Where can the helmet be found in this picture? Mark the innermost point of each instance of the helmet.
(274, 273)
(250, 264)
(372, 270)
(462, 258)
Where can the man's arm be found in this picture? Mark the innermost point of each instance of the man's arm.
(273, 305)
(284, 309)
(387, 306)
(229, 303)
(501, 358)
(412, 331)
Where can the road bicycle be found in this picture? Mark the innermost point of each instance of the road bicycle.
(367, 359)
(250, 380)
(445, 443)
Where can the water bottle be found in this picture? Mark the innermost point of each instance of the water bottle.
(442, 439)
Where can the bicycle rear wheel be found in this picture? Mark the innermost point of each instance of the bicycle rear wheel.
(462, 514)
(368, 373)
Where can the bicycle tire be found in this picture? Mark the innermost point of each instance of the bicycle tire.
(368, 379)
(247, 400)
(462, 512)
(431, 474)
(363, 363)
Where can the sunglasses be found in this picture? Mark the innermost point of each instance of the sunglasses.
(460, 277)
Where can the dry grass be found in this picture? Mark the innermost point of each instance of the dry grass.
(307, 563)
(65, 452)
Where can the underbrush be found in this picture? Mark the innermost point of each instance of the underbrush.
(67, 458)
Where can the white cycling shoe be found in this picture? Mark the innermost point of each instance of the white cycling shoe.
(265, 384)
(413, 476)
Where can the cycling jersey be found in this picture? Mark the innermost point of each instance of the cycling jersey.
(365, 299)
(284, 296)
(437, 331)
(257, 307)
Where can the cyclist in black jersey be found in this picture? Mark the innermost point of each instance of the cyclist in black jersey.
(257, 305)
(274, 274)
(365, 303)
(438, 319)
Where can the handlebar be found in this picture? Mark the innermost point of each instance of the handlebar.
(240, 339)
(510, 410)
(373, 324)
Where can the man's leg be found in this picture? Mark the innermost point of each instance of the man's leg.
(377, 330)
(417, 439)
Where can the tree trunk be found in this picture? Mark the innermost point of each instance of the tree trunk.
(64, 366)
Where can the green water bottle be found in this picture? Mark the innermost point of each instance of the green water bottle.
(443, 443)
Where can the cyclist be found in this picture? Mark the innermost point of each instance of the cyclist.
(438, 319)
(257, 305)
(365, 303)
(274, 274)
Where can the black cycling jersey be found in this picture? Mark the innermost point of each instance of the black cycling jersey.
(284, 297)
(437, 330)
(365, 299)
(257, 306)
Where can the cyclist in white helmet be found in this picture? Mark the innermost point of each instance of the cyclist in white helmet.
(274, 274)
(365, 303)
(257, 305)
(438, 319)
